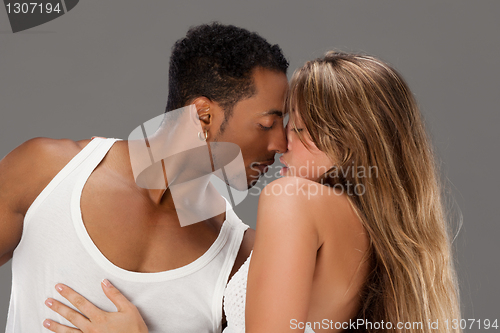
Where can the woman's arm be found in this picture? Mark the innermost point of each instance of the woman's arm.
(284, 258)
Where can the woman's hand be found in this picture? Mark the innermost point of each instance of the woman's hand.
(94, 320)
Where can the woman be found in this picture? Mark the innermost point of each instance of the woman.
(356, 231)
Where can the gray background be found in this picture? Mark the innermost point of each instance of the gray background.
(102, 68)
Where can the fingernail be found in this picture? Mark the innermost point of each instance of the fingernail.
(46, 323)
(58, 287)
(106, 283)
(48, 302)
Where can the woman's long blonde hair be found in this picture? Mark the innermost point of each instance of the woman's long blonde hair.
(361, 112)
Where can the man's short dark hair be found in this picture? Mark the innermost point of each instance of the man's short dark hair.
(216, 61)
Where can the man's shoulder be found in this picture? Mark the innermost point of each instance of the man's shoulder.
(46, 149)
(41, 157)
(27, 169)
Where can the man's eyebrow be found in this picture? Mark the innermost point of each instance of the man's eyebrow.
(273, 112)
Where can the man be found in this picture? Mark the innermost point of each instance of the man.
(71, 212)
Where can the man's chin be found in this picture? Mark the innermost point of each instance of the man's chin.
(253, 177)
(252, 182)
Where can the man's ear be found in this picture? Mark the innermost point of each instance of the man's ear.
(203, 109)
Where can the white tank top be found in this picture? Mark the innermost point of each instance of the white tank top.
(56, 248)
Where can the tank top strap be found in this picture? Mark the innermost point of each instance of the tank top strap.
(92, 154)
(82, 159)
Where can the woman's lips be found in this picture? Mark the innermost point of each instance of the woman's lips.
(285, 168)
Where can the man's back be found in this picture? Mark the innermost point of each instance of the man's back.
(123, 224)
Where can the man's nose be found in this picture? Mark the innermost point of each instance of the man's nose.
(279, 142)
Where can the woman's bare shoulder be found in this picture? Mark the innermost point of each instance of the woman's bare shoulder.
(327, 208)
(290, 192)
(305, 193)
